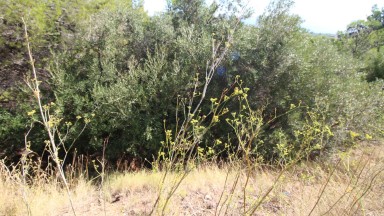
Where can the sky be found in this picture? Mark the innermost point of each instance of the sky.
(319, 16)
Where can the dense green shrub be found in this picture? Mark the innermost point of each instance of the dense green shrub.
(128, 70)
(375, 65)
(127, 73)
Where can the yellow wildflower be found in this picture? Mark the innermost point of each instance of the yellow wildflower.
(31, 112)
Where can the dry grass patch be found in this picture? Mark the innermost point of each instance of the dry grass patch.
(349, 183)
(47, 199)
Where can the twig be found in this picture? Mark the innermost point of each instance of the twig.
(45, 117)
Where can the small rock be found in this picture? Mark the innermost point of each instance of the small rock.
(208, 197)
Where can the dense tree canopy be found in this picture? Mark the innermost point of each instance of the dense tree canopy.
(126, 75)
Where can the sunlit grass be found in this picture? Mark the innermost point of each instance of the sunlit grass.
(345, 183)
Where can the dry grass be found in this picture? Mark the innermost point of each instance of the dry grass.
(349, 183)
(47, 199)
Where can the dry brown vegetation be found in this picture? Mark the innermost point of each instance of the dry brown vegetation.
(347, 183)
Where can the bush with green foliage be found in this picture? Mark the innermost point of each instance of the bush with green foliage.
(130, 72)
(129, 69)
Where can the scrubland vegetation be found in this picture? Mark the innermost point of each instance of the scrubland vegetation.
(348, 183)
(105, 110)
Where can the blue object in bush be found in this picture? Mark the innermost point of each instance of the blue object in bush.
(221, 70)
